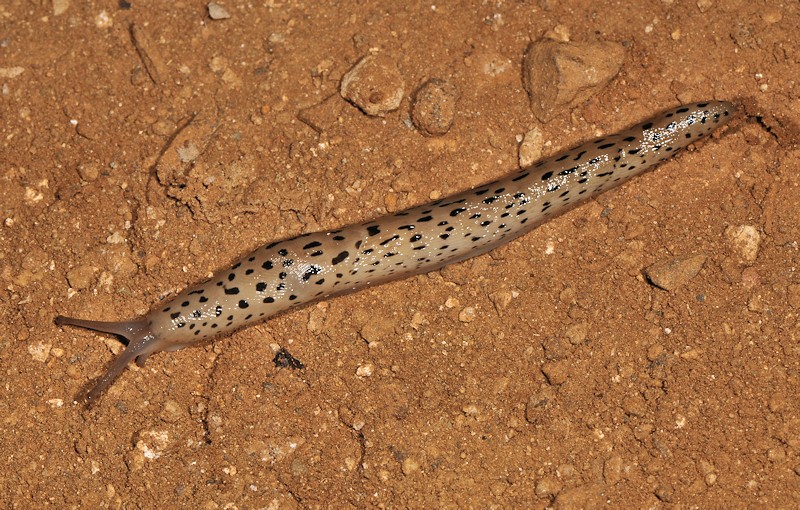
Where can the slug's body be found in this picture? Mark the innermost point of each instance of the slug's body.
(293, 272)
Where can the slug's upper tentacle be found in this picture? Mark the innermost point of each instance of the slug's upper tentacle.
(288, 273)
(141, 344)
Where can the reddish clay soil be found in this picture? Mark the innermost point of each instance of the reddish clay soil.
(549, 372)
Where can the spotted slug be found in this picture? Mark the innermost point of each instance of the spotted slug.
(314, 266)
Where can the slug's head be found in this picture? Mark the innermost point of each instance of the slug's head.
(141, 344)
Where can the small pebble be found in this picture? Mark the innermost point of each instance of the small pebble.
(672, 273)
(410, 466)
(216, 11)
(612, 470)
(583, 496)
(374, 85)
(365, 370)
(89, 171)
(530, 150)
(704, 5)
(502, 298)
(171, 412)
(39, 351)
(772, 15)
(11, 72)
(434, 107)
(56, 403)
(576, 333)
(556, 372)
(744, 240)
(547, 486)
(634, 405)
(539, 405)
(80, 277)
(654, 352)
(751, 279)
(152, 443)
(555, 348)
(467, 314)
(664, 493)
(60, 7)
(498, 488)
(776, 454)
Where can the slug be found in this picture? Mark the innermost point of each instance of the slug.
(314, 266)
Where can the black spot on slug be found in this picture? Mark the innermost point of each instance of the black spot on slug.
(387, 241)
(339, 258)
(311, 271)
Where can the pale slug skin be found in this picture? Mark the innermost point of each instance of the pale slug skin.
(315, 266)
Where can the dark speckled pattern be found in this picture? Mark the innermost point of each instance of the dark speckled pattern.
(293, 272)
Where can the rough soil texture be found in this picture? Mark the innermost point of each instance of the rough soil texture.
(145, 145)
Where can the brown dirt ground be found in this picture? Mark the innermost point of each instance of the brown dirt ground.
(684, 399)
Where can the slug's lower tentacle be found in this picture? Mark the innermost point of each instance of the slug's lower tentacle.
(141, 344)
(289, 273)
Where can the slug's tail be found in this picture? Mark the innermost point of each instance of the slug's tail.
(141, 344)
